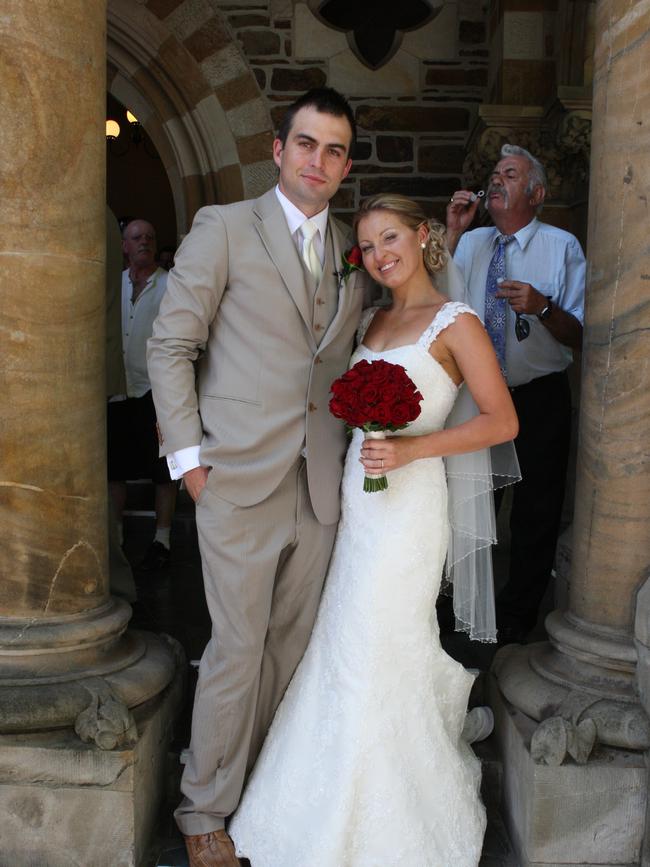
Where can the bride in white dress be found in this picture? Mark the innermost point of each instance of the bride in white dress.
(364, 765)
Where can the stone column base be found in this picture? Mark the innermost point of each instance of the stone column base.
(592, 814)
(69, 804)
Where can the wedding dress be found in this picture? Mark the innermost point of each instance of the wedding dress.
(364, 765)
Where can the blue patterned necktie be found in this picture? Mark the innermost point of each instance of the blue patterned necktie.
(496, 309)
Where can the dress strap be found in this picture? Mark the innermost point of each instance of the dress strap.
(443, 319)
(366, 318)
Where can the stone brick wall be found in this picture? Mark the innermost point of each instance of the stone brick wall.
(414, 114)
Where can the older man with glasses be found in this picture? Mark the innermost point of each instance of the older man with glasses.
(527, 280)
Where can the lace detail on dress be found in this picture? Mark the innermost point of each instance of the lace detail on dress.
(364, 764)
(366, 318)
(447, 314)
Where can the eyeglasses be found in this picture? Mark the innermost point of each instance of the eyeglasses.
(522, 327)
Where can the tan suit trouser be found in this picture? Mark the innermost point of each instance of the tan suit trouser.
(263, 569)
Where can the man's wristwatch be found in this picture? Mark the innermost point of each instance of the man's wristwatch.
(548, 309)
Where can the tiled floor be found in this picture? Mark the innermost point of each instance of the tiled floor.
(172, 601)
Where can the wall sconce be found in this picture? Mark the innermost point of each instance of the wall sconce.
(135, 126)
(112, 129)
(135, 135)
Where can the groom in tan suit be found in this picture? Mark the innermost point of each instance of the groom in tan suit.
(255, 325)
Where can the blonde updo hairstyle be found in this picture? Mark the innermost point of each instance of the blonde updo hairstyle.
(411, 214)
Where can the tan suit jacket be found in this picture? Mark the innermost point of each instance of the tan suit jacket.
(239, 304)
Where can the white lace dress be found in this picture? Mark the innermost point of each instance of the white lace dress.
(364, 765)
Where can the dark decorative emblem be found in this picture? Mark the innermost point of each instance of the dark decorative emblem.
(374, 28)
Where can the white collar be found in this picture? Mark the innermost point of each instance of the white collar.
(152, 278)
(295, 217)
(522, 235)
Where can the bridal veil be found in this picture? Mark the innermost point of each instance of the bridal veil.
(472, 479)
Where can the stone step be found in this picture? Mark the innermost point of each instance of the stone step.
(176, 857)
(497, 850)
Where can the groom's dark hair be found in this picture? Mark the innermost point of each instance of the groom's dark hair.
(323, 99)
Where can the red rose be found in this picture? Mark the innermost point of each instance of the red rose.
(337, 408)
(351, 261)
(382, 414)
(370, 393)
(401, 414)
(390, 392)
(354, 256)
(358, 372)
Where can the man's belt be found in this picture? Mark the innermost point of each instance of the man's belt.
(541, 382)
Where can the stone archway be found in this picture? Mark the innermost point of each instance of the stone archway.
(178, 67)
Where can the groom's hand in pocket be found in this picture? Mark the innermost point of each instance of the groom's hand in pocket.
(195, 481)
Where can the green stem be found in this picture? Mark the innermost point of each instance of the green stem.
(371, 485)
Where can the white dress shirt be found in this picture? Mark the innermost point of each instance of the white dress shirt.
(186, 459)
(137, 325)
(552, 261)
(296, 218)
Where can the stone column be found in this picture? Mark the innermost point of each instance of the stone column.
(612, 523)
(574, 698)
(66, 660)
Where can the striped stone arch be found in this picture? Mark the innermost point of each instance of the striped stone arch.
(175, 64)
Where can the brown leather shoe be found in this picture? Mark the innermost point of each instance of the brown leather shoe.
(215, 849)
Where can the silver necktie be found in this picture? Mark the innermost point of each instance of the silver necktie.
(309, 255)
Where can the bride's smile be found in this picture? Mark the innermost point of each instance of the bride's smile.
(392, 252)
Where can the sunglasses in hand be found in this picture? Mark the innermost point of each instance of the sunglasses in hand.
(522, 327)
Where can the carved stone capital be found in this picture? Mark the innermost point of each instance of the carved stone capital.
(93, 699)
(560, 139)
(537, 680)
(571, 732)
(574, 134)
(106, 721)
(482, 158)
(556, 738)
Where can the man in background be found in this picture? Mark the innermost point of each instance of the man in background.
(119, 569)
(526, 279)
(132, 439)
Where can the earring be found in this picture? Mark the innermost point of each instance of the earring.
(424, 246)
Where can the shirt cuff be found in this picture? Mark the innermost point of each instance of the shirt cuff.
(183, 461)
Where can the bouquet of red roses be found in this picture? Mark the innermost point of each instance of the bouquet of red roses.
(377, 397)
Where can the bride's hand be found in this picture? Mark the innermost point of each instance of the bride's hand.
(378, 456)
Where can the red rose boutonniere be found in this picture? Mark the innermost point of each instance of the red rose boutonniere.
(350, 261)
